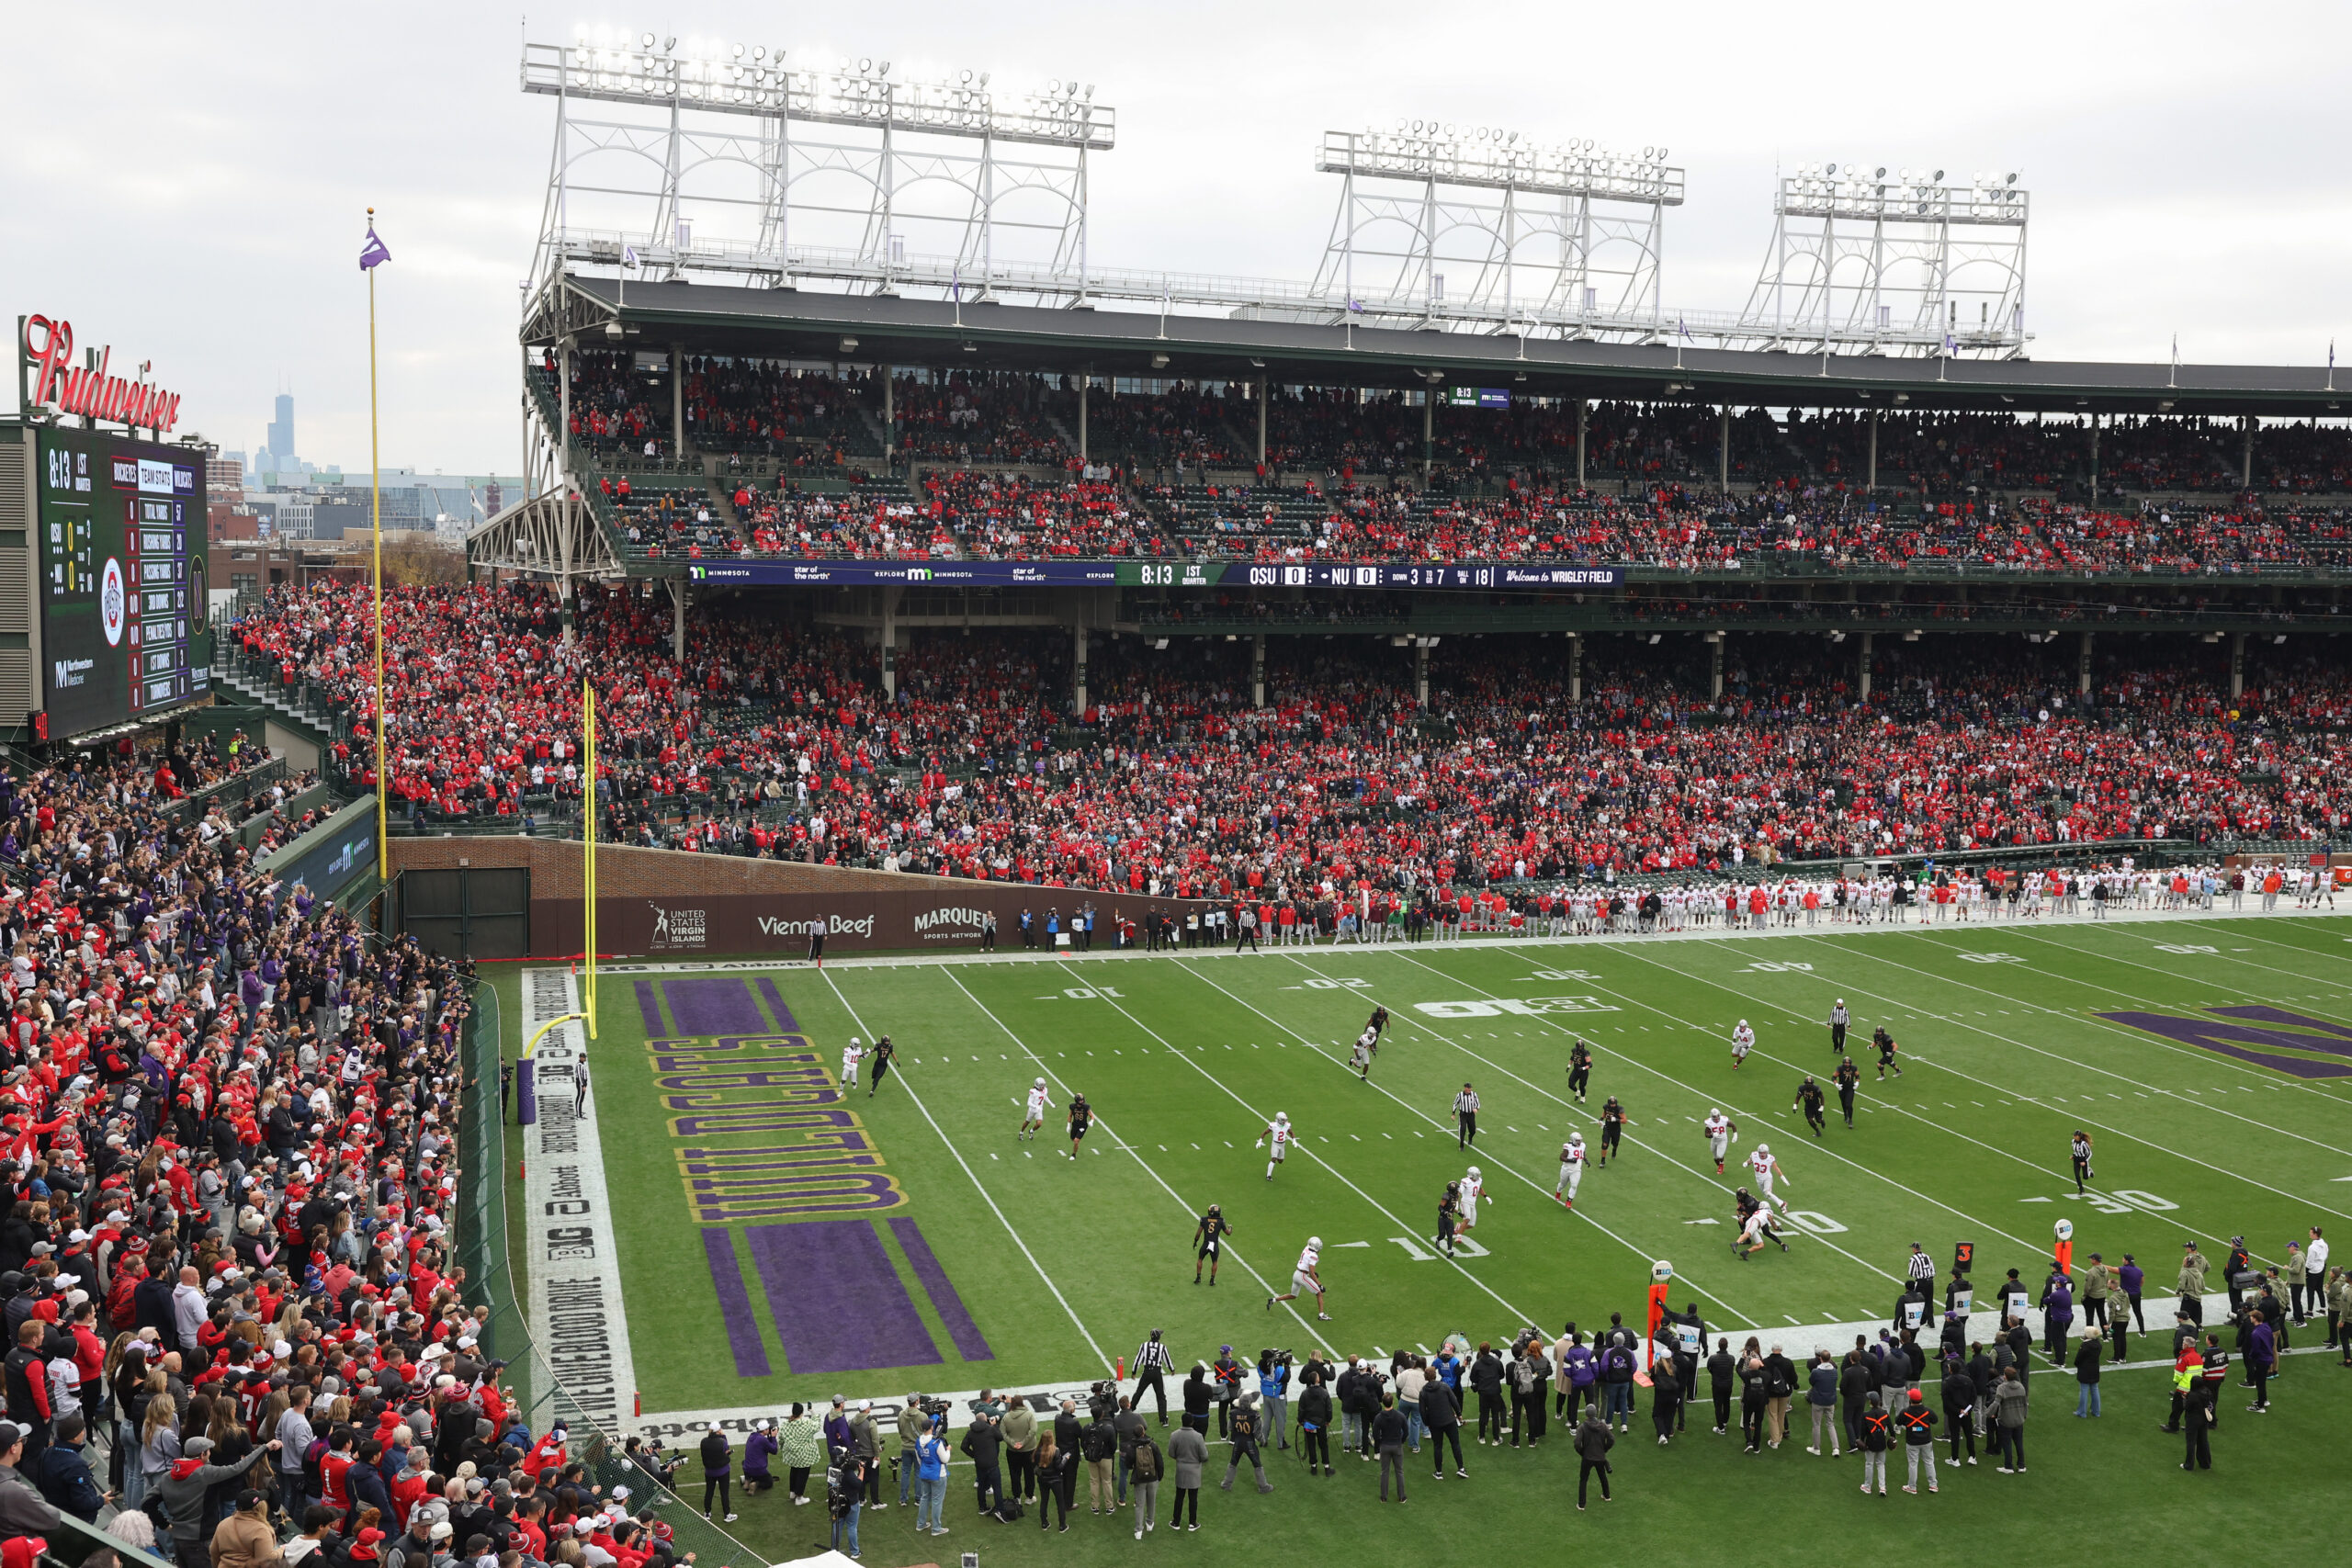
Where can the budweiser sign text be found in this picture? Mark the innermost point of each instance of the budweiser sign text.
(90, 390)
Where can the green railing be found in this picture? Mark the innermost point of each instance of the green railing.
(496, 1269)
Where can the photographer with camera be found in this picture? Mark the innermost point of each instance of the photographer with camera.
(844, 1497)
(1273, 1395)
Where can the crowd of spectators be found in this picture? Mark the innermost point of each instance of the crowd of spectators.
(227, 1177)
(778, 741)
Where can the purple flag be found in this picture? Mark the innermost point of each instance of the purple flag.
(373, 254)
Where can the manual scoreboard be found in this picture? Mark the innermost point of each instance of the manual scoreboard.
(121, 529)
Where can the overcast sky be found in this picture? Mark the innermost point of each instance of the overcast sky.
(189, 185)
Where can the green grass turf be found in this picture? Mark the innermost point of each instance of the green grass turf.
(1186, 1060)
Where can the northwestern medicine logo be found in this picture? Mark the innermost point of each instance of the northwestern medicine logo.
(68, 673)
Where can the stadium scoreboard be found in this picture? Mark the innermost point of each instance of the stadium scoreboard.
(120, 590)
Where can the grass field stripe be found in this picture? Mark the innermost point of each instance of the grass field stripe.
(2104, 1127)
(2259, 1073)
(1230, 1251)
(2334, 939)
(2310, 1086)
(2205, 1059)
(1765, 1056)
(1376, 1203)
(734, 1302)
(2103, 1072)
(1819, 1149)
(1932, 1062)
(1532, 1183)
(981, 1189)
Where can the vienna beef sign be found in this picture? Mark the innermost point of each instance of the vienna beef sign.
(48, 379)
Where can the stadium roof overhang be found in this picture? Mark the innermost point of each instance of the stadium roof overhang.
(886, 329)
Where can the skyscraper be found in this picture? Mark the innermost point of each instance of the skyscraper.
(281, 429)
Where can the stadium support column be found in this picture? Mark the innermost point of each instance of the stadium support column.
(1257, 671)
(1581, 407)
(2083, 667)
(679, 594)
(1428, 430)
(1714, 667)
(1722, 478)
(1078, 688)
(2237, 665)
(1261, 444)
(890, 596)
(2246, 463)
(1575, 667)
(1866, 666)
(1084, 382)
(2095, 459)
(1421, 671)
(678, 402)
(889, 415)
(1870, 484)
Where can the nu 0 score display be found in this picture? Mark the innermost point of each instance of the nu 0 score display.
(120, 598)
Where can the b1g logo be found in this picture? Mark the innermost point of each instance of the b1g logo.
(114, 602)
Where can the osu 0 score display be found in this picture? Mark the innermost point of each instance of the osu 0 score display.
(120, 593)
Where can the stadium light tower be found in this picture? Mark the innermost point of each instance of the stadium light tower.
(1892, 262)
(1447, 226)
(695, 155)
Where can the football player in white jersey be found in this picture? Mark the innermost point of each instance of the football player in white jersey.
(1720, 1129)
(1361, 1057)
(1278, 1132)
(1304, 1278)
(1743, 1041)
(1039, 1103)
(851, 1055)
(1474, 1188)
(1571, 1171)
(1768, 1171)
(1755, 1230)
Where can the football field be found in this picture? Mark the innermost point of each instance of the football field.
(780, 1240)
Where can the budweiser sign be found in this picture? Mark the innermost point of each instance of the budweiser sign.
(47, 347)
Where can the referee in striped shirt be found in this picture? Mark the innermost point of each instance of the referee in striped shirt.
(1923, 1271)
(1466, 1116)
(1151, 1361)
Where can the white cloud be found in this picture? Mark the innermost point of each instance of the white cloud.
(200, 200)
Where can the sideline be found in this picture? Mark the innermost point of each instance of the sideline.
(1797, 1339)
(1709, 933)
(577, 1311)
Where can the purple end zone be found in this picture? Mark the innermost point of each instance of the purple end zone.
(969, 1342)
(783, 1014)
(837, 1304)
(718, 1004)
(649, 1006)
(734, 1302)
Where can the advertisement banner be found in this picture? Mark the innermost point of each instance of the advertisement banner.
(781, 924)
(1467, 576)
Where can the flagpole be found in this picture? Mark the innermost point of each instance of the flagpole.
(375, 527)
